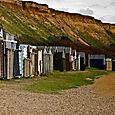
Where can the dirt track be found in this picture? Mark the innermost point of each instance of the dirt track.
(96, 99)
(105, 85)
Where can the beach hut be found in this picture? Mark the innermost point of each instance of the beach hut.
(1, 59)
(16, 69)
(1, 53)
(74, 60)
(109, 64)
(28, 62)
(22, 56)
(27, 67)
(81, 61)
(69, 58)
(38, 61)
(113, 65)
(33, 61)
(47, 60)
(59, 60)
(97, 61)
(10, 47)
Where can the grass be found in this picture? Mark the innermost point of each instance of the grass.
(90, 40)
(58, 81)
(26, 27)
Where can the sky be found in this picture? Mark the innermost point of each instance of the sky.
(103, 10)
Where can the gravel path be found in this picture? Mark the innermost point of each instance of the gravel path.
(85, 100)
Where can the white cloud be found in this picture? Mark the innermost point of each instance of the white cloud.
(108, 18)
(86, 11)
(112, 3)
(100, 9)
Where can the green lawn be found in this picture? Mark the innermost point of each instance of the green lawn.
(58, 81)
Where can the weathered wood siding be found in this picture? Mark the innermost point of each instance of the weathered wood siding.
(9, 64)
(1, 55)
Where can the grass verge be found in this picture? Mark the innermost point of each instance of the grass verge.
(58, 81)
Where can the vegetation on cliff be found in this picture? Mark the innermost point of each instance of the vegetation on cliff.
(37, 24)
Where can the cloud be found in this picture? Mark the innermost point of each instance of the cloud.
(98, 6)
(87, 11)
(112, 3)
(64, 9)
(108, 18)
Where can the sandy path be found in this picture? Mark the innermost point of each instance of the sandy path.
(105, 85)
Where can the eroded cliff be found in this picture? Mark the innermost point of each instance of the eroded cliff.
(36, 24)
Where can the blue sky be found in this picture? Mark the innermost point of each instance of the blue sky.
(100, 9)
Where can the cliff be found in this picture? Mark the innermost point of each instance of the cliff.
(36, 24)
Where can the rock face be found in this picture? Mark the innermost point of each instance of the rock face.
(37, 24)
(9, 0)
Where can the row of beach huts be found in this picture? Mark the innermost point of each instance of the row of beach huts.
(22, 60)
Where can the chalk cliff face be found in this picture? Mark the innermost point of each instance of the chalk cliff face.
(36, 24)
